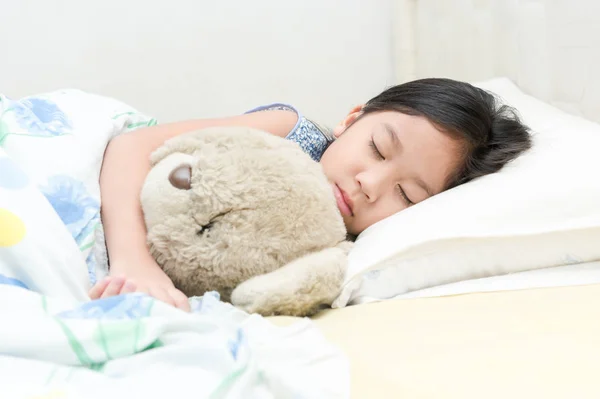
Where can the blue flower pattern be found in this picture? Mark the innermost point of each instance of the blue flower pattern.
(120, 307)
(91, 265)
(78, 210)
(41, 117)
(45, 116)
(12, 281)
(206, 303)
(138, 305)
(236, 343)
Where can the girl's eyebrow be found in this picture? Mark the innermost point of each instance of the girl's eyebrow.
(393, 136)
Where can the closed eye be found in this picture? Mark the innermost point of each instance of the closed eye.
(404, 196)
(375, 150)
(208, 226)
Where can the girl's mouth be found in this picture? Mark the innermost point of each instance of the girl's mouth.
(344, 202)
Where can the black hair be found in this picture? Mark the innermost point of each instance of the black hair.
(492, 133)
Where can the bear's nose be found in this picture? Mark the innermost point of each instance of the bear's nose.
(181, 177)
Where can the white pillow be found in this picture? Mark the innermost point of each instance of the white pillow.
(541, 210)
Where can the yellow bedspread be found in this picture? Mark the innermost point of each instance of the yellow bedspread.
(539, 343)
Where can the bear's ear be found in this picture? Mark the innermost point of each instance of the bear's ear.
(300, 288)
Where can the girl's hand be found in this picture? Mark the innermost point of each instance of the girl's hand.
(151, 280)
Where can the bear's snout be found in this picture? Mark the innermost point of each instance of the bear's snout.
(181, 177)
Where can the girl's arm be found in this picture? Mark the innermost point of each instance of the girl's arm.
(124, 169)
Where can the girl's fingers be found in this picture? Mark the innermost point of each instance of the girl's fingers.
(99, 287)
(114, 287)
(128, 287)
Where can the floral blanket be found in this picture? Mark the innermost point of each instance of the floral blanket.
(55, 342)
(56, 142)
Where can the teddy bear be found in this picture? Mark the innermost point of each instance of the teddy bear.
(247, 214)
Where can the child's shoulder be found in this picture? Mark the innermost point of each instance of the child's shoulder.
(309, 135)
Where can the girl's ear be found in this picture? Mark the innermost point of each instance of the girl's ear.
(354, 113)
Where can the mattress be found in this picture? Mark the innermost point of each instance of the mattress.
(531, 343)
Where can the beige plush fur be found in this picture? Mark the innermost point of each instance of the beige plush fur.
(259, 222)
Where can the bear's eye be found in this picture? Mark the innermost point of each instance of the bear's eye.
(206, 228)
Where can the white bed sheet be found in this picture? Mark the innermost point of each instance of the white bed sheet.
(560, 276)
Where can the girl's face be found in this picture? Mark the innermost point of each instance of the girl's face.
(384, 162)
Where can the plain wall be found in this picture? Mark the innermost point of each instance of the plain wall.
(190, 58)
(549, 48)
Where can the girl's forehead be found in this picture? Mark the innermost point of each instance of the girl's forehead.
(406, 126)
(432, 153)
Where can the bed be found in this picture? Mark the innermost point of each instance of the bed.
(528, 332)
(533, 343)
